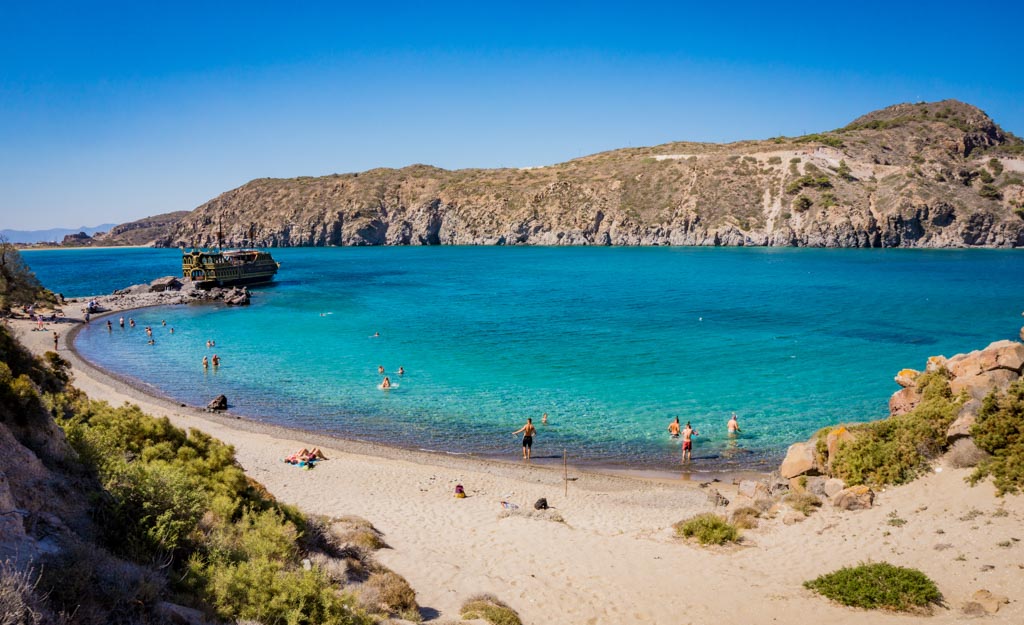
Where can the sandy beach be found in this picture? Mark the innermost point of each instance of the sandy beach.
(613, 558)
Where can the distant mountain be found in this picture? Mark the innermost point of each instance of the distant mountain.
(937, 174)
(53, 234)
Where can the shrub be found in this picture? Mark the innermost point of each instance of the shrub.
(843, 171)
(878, 586)
(746, 518)
(490, 609)
(802, 203)
(828, 199)
(985, 177)
(388, 591)
(803, 502)
(808, 180)
(990, 192)
(999, 430)
(995, 165)
(897, 449)
(775, 160)
(20, 604)
(708, 529)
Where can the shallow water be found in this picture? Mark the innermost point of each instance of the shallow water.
(611, 342)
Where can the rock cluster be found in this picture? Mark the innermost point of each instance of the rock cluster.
(975, 375)
(171, 290)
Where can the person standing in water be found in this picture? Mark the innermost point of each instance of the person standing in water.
(386, 383)
(544, 419)
(528, 431)
(734, 425)
(673, 428)
(688, 434)
(206, 362)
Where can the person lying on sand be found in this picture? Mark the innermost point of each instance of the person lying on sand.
(306, 455)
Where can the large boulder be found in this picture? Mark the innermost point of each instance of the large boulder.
(220, 402)
(238, 296)
(904, 400)
(754, 489)
(907, 377)
(854, 498)
(167, 283)
(800, 460)
(935, 363)
(834, 486)
(979, 385)
(1008, 355)
(965, 419)
(834, 438)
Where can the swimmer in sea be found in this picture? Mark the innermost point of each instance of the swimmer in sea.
(380, 369)
(528, 431)
(376, 335)
(401, 371)
(151, 342)
(110, 326)
(386, 383)
(206, 362)
(544, 419)
(163, 322)
(216, 360)
(673, 428)
(121, 321)
(734, 425)
(172, 330)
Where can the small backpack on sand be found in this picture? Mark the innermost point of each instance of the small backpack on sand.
(542, 504)
(460, 493)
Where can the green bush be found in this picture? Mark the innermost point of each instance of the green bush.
(897, 449)
(990, 192)
(808, 180)
(999, 430)
(745, 518)
(490, 609)
(878, 586)
(996, 166)
(264, 590)
(802, 203)
(843, 171)
(708, 529)
(390, 591)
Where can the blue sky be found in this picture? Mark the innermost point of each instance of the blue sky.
(114, 111)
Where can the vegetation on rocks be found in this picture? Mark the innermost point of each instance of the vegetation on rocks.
(708, 529)
(18, 284)
(999, 430)
(878, 586)
(897, 449)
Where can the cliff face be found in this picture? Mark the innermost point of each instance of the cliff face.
(912, 175)
(141, 232)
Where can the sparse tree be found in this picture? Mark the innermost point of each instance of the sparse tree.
(18, 284)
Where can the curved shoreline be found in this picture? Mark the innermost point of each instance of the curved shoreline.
(142, 393)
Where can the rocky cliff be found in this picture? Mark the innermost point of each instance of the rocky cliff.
(141, 232)
(939, 174)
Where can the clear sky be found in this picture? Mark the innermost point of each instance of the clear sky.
(113, 111)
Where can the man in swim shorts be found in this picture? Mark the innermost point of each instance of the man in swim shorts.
(688, 433)
(528, 431)
(734, 425)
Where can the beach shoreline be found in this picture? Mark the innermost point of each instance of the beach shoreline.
(610, 555)
(693, 472)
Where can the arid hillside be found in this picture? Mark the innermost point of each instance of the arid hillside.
(939, 174)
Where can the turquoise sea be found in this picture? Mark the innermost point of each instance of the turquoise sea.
(610, 342)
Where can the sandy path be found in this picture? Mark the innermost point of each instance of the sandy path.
(614, 560)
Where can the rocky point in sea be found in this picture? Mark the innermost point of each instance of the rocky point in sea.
(165, 291)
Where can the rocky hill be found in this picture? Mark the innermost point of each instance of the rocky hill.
(141, 232)
(939, 174)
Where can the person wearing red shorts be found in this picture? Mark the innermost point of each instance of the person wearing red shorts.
(688, 434)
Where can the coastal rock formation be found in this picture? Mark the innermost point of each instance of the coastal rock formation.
(939, 174)
(800, 460)
(169, 290)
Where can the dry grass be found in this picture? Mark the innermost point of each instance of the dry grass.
(746, 518)
(803, 502)
(388, 592)
(491, 609)
(19, 602)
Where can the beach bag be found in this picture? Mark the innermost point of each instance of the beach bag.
(541, 504)
(460, 493)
